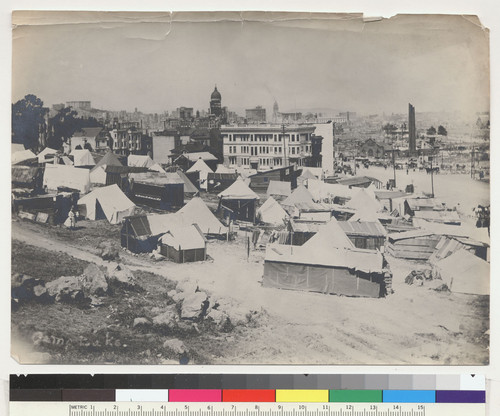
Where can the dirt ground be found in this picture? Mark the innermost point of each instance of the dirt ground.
(414, 325)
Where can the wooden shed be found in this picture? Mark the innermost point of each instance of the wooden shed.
(412, 245)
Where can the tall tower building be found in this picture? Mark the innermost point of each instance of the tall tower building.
(412, 131)
(215, 103)
(276, 111)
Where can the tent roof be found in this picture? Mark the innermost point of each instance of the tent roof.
(238, 190)
(307, 174)
(363, 228)
(68, 176)
(189, 187)
(140, 161)
(196, 212)
(358, 259)
(161, 223)
(271, 212)
(464, 272)
(365, 202)
(199, 166)
(301, 194)
(321, 190)
(22, 156)
(109, 159)
(111, 198)
(329, 236)
(82, 157)
(157, 178)
(279, 188)
(46, 151)
(192, 157)
(184, 237)
(16, 147)
(224, 169)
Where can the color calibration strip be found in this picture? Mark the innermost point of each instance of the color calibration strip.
(284, 389)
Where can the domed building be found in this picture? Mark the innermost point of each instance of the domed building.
(215, 103)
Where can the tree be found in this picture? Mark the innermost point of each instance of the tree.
(442, 131)
(63, 126)
(28, 121)
(390, 128)
(431, 131)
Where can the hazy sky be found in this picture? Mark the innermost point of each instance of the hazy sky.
(436, 63)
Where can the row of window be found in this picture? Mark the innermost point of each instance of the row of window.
(245, 161)
(259, 150)
(265, 137)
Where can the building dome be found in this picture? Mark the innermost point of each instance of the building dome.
(216, 95)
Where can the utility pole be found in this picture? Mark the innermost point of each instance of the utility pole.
(394, 164)
(432, 177)
(472, 163)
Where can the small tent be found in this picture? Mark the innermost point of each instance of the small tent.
(203, 170)
(330, 236)
(301, 196)
(279, 188)
(304, 178)
(44, 155)
(196, 212)
(189, 188)
(184, 244)
(62, 176)
(271, 212)
(23, 156)
(98, 174)
(365, 200)
(140, 161)
(239, 201)
(464, 272)
(82, 158)
(109, 202)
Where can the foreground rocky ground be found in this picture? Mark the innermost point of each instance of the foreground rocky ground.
(73, 306)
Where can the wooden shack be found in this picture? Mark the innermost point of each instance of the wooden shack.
(412, 245)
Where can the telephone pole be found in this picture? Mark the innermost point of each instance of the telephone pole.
(284, 145)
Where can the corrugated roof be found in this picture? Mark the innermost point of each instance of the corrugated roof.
(363, 228)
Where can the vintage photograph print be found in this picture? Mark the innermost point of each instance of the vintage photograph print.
(250, 188)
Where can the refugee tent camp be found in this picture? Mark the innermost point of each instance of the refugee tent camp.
(464, 272)
(107, 202)
(327, 263)
(239, 201)
(196, 212)
(82, 157)
(271, 212)
(184, 244)
(62, 176)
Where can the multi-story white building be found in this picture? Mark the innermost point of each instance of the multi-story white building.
(265, 147)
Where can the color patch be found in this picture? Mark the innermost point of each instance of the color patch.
(409, 396)
(88, 395)
(153, 395)
(198, 395)
(356, 396)
(302, 396)
(248, 395)
(460, 396)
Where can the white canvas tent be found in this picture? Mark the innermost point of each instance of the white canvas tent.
(271, 212)
(82, 157)
(22, 156)
(279, 188)
(16, 147)
(113, 202)
(203, 170)
(330, 236)
(46, 152)
(66, 176)
(463, 272)
(196, 212)
(140, 161)
(365, 200)
(238, 190)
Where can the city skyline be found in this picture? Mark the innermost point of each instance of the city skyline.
(437, 64)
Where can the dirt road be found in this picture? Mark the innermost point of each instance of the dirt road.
(414, 325)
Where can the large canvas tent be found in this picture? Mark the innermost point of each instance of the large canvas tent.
(239, 201)
(62, 176)
(196, 212)
(298, 197)
(140, 161)
(463, 272)
(46, 155)
(107, 202)
(23, 156)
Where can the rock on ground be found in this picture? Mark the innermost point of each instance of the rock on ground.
(66, 289)
(108, 251)
(94, 281)
(168, 318)
(194, 305)
(121, 274)
(175, 345)
(141, 322)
